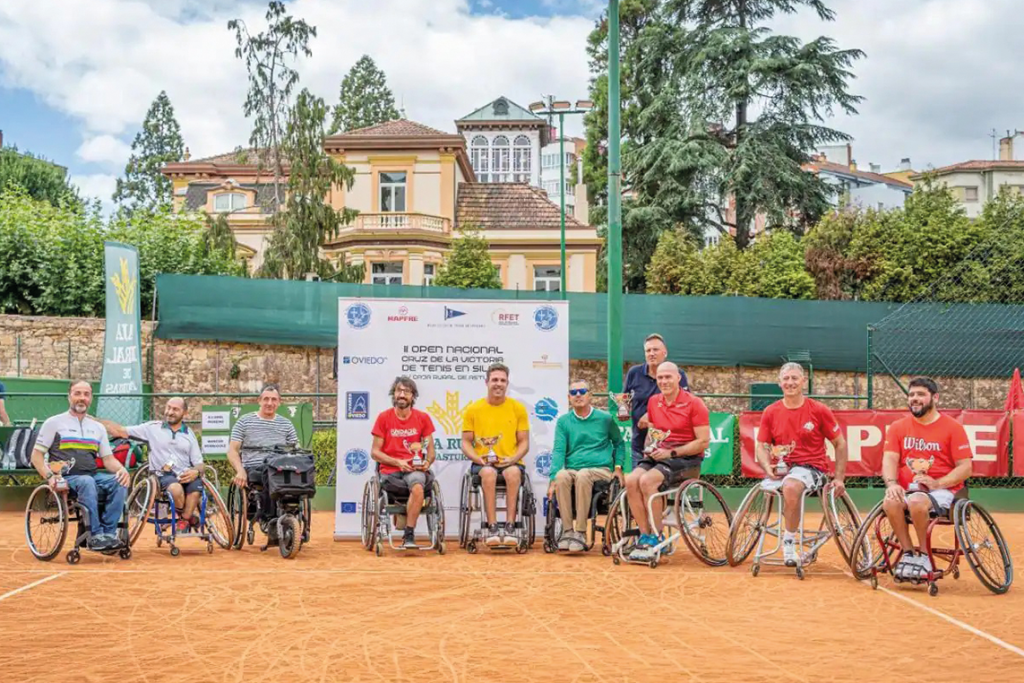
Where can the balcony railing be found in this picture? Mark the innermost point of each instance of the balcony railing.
(401, 222)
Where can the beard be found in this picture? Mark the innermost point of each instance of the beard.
(171, 420)
(922, 410)
(402, 403)
(80, 407)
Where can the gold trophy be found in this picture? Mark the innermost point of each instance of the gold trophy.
(416, 448)
(655, 437)
(60, 468)
(779, 454)
(623, 402)
(489, 442)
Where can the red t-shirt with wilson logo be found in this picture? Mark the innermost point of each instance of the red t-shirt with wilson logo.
(679, 418)
(933, 449)
(802, 429)
(399, 434)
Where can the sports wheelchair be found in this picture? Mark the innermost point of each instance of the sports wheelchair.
(383, 501)
(287, 475)
(694, 510)
(471, 500)
(604, 493)
(975, 535)
(49, 513)
(157, 508)
(753, 524)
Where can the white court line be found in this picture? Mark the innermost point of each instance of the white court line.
(418, 570)
(14, 592)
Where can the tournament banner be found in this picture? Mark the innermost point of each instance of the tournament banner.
(218, 421)
(1018, 443)
(865, 430)
(446, 347)
(122, 346)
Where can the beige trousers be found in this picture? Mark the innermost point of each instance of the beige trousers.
(584, 481)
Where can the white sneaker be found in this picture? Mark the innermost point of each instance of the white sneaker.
(789, 553)
(918, 568)
(905, 567)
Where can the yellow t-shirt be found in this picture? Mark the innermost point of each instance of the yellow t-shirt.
(487, 421)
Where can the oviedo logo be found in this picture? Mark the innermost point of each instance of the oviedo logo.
(505, 319)
(364, 360)
(543, 463)
(449, 416)
(545, 318)
(546, 409)
(124, 285)
(357, 460)
(357, 316)
(403, 316)
(357, 405)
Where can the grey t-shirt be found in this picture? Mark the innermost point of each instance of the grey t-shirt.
(166, 446)
(254, 433)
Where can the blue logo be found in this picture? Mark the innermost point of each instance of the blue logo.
(364, 360)
(545, 318)
(357, 405)
(546, 410)
(543, 463)
(450, 313)
(348, 508)
(357, 460)
(358, 316)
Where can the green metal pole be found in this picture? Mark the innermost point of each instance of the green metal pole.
(871, 393)
(614, 206)
(561, 187)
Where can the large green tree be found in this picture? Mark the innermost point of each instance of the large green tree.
(469, 265)
(159, 142)
(40, 178)
(365, 98)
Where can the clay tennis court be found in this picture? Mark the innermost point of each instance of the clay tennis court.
(337, 613)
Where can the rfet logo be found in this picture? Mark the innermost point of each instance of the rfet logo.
(546, 409)
(403, 316)
(505, 319)
(357, 460)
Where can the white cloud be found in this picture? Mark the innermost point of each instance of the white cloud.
(104, 149)
(97, 186)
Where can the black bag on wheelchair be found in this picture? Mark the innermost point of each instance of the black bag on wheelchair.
(18, 455)
(291, 476)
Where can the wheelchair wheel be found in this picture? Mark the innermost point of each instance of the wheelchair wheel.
(218, 519)
(465, 514)
(238, 508)
(289, 536)
(529, 508)
(140, 474)
(983, 545)
(140, 506)
(552, 527)
(307, 519)
(842, 519)
(436, 518)
(46, 523)
(748, 524)
(370, 519)
(619, 521)
(872, 545)
(704, 519)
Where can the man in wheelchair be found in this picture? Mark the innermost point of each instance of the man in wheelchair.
(588, 449)
(76, 438)
(679, 433)
(174, 457)
(927, 460)
(401, 438)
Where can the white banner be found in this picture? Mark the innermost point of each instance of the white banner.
(445, 346)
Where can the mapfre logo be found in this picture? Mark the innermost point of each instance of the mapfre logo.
(504, 318)
(403, 316)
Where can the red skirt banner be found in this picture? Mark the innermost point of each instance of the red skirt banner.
(1018, 443)
(988, 431)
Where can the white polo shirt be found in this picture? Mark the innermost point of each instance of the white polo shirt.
(179, 448)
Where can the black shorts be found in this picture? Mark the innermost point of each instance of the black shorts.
(476, 469)
(194, 486)
(675, 470)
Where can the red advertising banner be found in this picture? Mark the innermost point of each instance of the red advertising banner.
(1018, 443)
(988, 431)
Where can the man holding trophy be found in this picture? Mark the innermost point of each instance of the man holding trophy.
(640, 385)
(401, 435)
(496, 438)
(679, 432)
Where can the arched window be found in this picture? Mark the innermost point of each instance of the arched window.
(500, 162)
(480, 159)
(229, 201)
(522, 154)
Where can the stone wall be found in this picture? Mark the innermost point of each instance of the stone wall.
(225, 367)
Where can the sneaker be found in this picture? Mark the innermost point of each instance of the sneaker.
(903, 568)
(563, 540)
(183, 526)
(509, 535)
(577, 542)
(917, 568)
(789, 553)
(99, 542)
(409, 540)
(493, 536)
(642, 549)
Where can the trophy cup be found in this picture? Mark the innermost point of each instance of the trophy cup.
(779, 454)
(416, 448)
(623, 402)
(489, 441)
(655, 437)
(60, 468)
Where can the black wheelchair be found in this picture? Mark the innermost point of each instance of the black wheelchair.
(287, 476)
(384, 501)
(471, 500)
(603, 495)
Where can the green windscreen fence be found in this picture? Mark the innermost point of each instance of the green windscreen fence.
(710, 330)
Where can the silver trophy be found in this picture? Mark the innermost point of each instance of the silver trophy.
(416, 448)
(623, 402)
(655, 437)
(489, 442)
(779, 454)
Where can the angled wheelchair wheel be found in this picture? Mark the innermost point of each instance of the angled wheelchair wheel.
(437, 501)
(984, 546)
(140, 474)
(465, 514)
(748, 524)
(872, 545)
(552, 527)
(842, 519)
(619, 521)
(704, 520)
(529, 508)
(370, 520)
(140, 506)
(238, 509)
(46, 523)
(218, 519)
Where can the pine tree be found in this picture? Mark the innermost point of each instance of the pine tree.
(469, 265)
(365, 98)
(159, 142)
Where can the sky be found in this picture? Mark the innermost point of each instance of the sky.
(77, 76)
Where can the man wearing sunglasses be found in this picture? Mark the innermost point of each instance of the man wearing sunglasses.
(588, 449)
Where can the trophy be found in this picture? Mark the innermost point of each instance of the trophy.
(655, 437)
(918, 466)
(490, 441)
(623, 402)
(779, 454)
(60, 468)
(416, 448)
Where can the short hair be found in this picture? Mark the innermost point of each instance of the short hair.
(497, 367)
(76, 382)
(655, 337)
(580, 380)
(184, 403)
(791, 365)
(408, 383)
(925, 383)
(270, 386)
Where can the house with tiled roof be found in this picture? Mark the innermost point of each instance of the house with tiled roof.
(415, 187)
(868, 188)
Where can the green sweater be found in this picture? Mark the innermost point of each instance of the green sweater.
(592, 442)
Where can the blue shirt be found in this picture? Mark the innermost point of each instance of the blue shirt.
(643, 387)
(2, 390)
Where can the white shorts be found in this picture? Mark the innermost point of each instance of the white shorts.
(811, 478)
(942, 497)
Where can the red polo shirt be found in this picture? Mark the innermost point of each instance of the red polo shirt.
(679, 418)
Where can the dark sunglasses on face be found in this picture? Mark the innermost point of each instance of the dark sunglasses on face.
(578, 392)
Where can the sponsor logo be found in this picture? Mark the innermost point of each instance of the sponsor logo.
(357, 460)
(403, 316)
(809, 426)
(545, 318)
(543, 463)
(546, 409)
(505, 319)
(450, 415)
(358, 316)
(364, 360)
(348, 507)
(450, 313)
(911, 443)
(543, 363)
(357, 405)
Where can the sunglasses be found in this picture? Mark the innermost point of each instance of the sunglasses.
(578, 392)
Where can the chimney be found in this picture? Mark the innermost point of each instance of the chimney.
(875, 168)
(1006, 149)
(1, 139)
(853, 164)
(188, 155)
(905, 164)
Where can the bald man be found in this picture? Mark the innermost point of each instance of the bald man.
(683, 422)
(174, 457)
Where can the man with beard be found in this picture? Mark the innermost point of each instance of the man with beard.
(927, 459)
(76, 438)
(174, 457)
(398, 445)
(496, 438)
